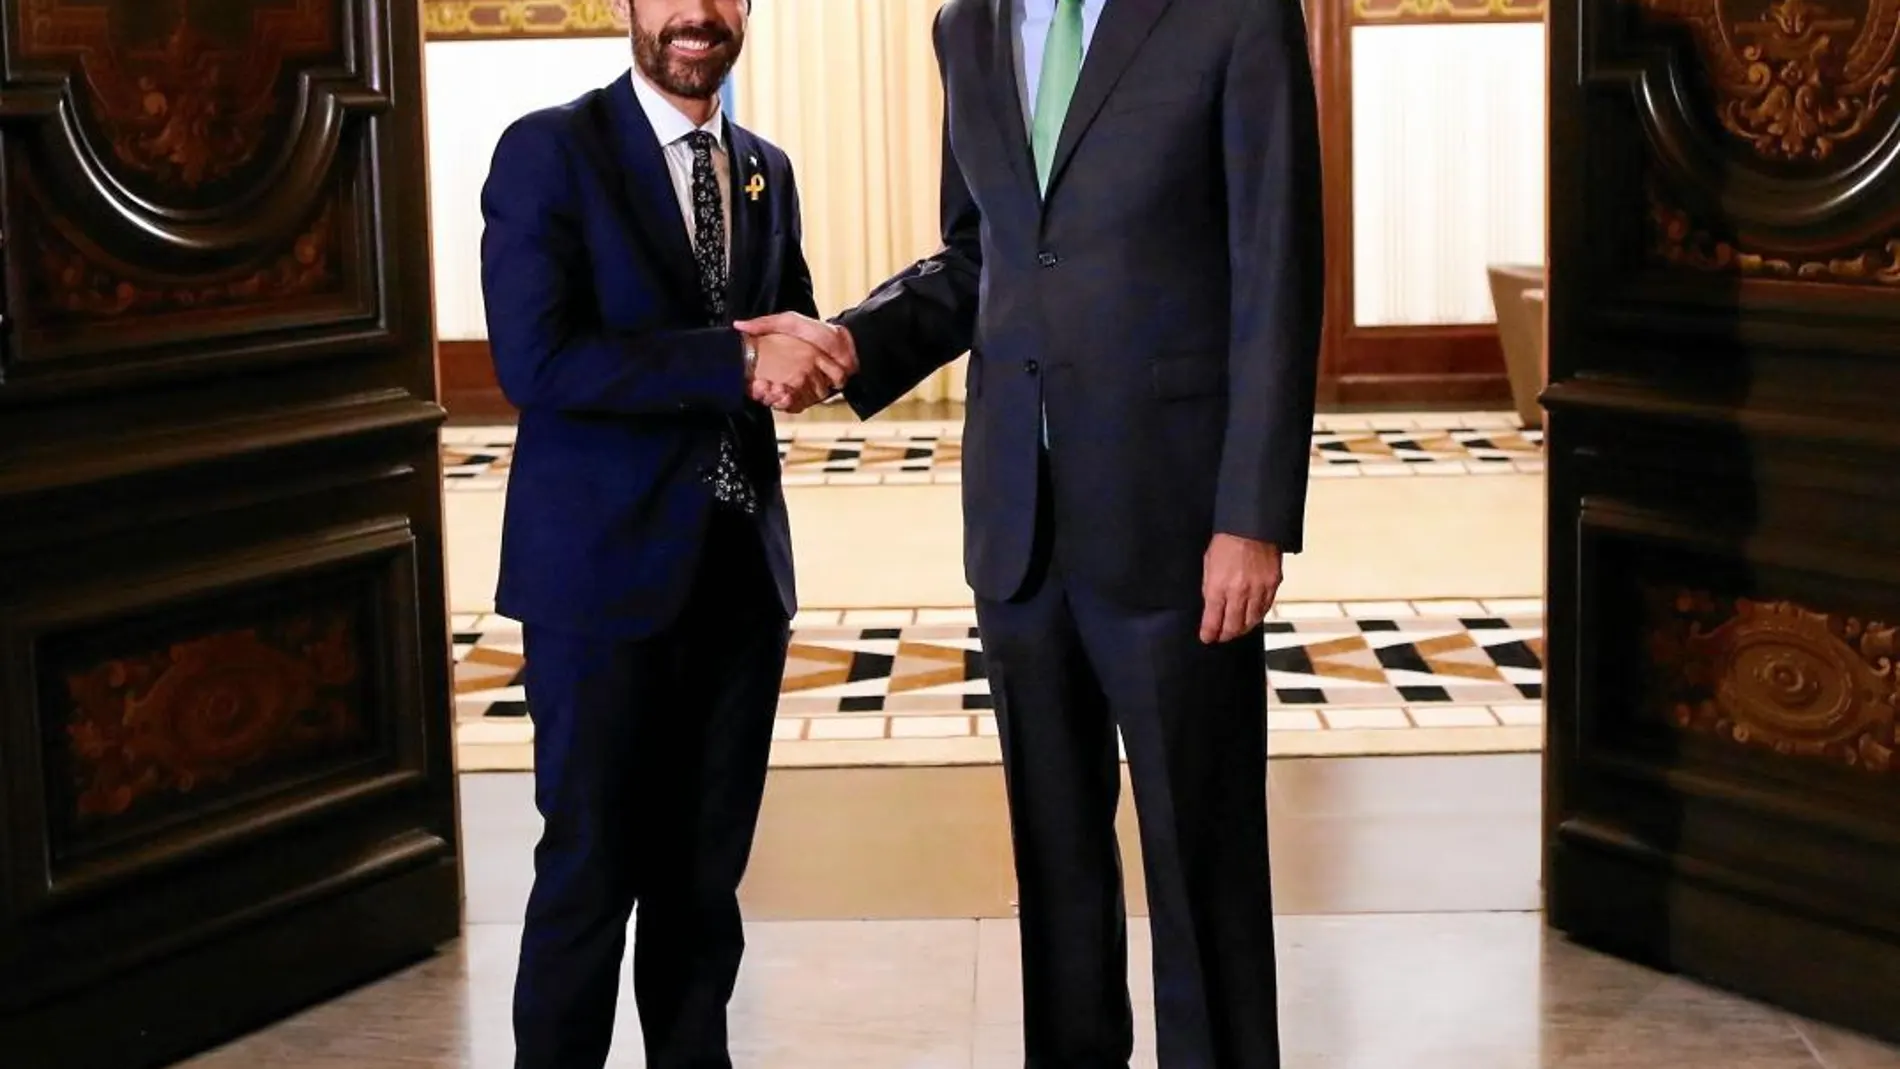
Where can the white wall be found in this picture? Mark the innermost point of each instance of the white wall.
(475, 89)
(1448, 166)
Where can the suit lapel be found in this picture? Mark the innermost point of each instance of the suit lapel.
(751, 219)
(996, 45)
(1124, 25)
(656, 207)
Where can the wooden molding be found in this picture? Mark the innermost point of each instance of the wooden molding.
(1440, 12)
(1430, 365)
(470, 390)
(497, 20)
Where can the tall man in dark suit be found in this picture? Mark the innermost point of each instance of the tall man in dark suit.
(645, 548)
(1132, 253)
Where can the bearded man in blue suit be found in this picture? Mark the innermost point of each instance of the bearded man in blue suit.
(645, 548)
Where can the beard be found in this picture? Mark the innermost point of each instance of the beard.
(693, 77)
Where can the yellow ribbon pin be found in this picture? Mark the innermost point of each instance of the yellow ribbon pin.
(756, 186)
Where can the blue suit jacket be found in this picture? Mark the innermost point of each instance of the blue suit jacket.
(600, 339)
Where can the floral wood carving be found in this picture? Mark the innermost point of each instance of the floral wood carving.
(464, 20)
(1391, 11)
(198, 714)
(182, 93)
(79, 286)
(1775, 675)
(1798, 78)
(1675, 239)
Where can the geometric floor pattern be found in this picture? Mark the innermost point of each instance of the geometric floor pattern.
(921, 451)
(876, 687)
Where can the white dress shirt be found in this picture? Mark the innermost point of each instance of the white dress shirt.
(673, 127)
(1033, 19)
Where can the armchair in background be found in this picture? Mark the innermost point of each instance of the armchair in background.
(1516, 294)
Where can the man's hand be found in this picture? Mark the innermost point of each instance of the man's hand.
(838, 353)
(1239, 580)
(789, 374)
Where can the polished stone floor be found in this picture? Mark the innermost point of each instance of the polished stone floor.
(1406, 942)
(907, 687)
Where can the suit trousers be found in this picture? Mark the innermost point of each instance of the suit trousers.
(650, 761)
(1068, 668)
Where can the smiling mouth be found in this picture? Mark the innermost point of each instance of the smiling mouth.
(694, 46)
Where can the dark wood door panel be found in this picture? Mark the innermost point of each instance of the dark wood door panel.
(184, 180)
(220, 711)
(1725, 607)
(224, 672)
(191, 706)
(1699, 214)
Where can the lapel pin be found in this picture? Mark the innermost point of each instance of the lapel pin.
(757, 185)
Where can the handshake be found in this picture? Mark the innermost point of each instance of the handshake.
(801, 361)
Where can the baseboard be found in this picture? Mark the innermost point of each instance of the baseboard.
(1450, 364)
(470, 390)
(1440, 391)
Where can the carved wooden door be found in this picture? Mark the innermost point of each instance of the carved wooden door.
(225, 769)
(1724, 510)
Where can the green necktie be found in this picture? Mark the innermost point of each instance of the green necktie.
(1061, 68)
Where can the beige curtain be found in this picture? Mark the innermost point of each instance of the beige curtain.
(850, 89)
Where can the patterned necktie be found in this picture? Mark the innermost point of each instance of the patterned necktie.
(729, 483)
(1061, 69)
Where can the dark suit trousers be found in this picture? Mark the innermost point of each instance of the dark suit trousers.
(1067, 668)
(650, 761)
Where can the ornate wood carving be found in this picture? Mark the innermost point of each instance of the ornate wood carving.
(1677, 240)
(77, 281)
(465, 20)
(1437, 11)
(1793, 79)
(182, 96)
(205, 712)
(181, 93)
(1775, 675)
(180, 171)
(1762, 128)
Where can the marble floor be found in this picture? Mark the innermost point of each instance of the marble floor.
(1411, 625)
(900, 686)
(913, 452)
(1376, 531)
(1390, 957)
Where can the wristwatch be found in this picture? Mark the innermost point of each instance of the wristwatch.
(751, 357)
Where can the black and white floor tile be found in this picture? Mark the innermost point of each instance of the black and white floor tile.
(836, 453)
(874, 687)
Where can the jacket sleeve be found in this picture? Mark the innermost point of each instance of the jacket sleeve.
(550, 349)
(925, 317)
(1272, 160)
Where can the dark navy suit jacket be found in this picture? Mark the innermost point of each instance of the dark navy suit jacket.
(600, 339)
(1162, 303)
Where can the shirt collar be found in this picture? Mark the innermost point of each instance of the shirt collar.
(669, 125)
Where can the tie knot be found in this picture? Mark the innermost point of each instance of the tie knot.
(701, 142)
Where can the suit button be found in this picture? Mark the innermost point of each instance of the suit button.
(1030, 367)
(1048, 259)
